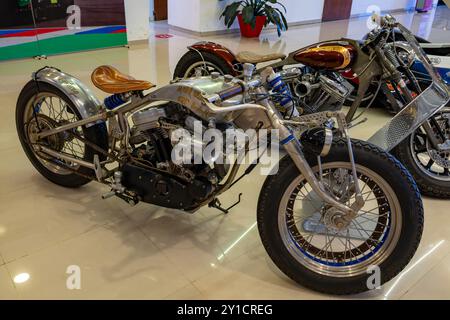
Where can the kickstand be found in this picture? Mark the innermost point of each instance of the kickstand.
(217, 205)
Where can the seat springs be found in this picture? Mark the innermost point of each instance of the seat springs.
(114, 101)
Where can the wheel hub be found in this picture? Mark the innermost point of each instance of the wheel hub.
(334, 219)
(440, 157)
(42, 123)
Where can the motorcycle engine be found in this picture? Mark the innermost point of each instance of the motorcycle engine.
(152, 174)
(317, 91)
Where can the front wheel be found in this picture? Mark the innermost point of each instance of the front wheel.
(302, 237)
(430, 167)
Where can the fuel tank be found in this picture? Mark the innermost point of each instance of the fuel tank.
(327, 55)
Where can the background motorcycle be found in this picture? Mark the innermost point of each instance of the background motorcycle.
(361, 217)
(438, 53)
(319, 84)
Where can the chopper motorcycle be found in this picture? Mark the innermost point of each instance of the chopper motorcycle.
(329, 74)
(366, 218)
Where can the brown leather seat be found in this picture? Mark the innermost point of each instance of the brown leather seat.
(111, 80)
(251, 57)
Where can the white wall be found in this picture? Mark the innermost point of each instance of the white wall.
(185, 14)
(204, 14)
(360, 7)
(300, 11)
(136, 15)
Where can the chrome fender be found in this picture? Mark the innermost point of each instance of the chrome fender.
(80, 95)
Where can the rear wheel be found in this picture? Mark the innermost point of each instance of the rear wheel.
(304, 239)
(206, 63)
(44, 108)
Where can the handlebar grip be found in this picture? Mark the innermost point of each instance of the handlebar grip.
(231, 92)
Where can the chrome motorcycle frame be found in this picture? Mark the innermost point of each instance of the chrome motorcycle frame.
(185, 93)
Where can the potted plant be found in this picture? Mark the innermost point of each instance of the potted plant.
(253, 15)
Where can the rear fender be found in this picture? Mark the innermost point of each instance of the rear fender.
(218, 50)
(81, 96)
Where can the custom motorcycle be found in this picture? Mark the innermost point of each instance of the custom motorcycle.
(438, 53)
(325, 217)
(328, 74)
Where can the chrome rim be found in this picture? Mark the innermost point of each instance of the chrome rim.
(311, 238)
(431, 162)
(206, 67)
(52, 111)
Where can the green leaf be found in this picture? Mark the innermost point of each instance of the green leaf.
(248, 16)
(283, 18)
(281, 5)
(268, 11)
(230, 13)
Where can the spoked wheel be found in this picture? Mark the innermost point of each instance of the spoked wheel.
(46, 109)
(206, 63)
(311, 243)
(310, 228)
(52, 112)
(429, 166)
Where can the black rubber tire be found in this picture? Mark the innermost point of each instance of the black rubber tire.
(427, 185)
(97, 134)
(376, 160)
(191, 57)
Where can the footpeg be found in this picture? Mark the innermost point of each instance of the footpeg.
(131, 200)
(218, 205)
(118, 190)
(108, 195)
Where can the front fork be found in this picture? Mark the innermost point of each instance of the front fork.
(293, 147)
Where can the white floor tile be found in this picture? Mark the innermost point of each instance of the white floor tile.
(433, 285)
(116, 262)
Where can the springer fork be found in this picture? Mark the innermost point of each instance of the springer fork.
(294, 149)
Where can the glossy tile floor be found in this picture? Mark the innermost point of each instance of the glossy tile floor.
(147, 252)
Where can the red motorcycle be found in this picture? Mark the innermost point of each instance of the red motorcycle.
(342, 71)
